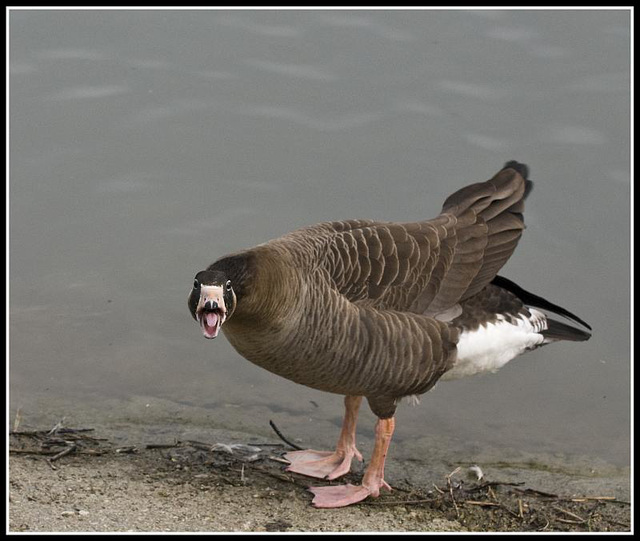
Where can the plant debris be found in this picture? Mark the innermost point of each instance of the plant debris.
(478, 505)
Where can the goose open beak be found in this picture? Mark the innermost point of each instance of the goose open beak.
(211, 312)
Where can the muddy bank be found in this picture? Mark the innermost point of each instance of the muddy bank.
(178, 484)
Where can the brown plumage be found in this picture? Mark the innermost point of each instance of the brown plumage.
(371, 309)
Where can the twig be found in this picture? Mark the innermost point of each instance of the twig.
(74, 430)
(483, 504)
(18, 418)
(569, 514)
(567, 521)
(400, 502)
(280, 476)
(198, 445)
(57, 427)
(455, 505)
(278, 459)
(279, 434)
(535, 492)
(597, 498)
(162, 445)
(545, 526)
(127, 450)
(72, 447)
(490, 484)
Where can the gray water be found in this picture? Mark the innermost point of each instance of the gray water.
(146, 144)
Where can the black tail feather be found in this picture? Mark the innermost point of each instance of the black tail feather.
(560, 331)
(534, 300)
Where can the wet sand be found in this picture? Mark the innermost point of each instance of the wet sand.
(116, 480)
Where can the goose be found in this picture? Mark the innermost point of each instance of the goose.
(382, 310)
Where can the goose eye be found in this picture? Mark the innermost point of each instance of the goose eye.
(227, 286)
(196, 284)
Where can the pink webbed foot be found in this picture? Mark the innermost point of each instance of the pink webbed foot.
(322, 464)
(373, 480)
(343, 495)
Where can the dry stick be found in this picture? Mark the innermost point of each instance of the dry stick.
(400, 502)
(198, 445)
(16, 421)
(538, 493)
(57, 426)
(597, 498)
(275, 429)
(162, 445)
(570, 514)
(127, 450)
(455, 505)
(545, 526)
(62, 453)
(72, 447)
(567, 521)
(483, 504)
(280, 476)
(74, 430)
(490, 484)
(278, 459)
(31, 452)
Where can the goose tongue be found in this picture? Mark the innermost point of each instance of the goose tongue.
(211, 322)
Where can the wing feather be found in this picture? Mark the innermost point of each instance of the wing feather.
(427, 266)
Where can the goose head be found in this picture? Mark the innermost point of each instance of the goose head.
(211, 301)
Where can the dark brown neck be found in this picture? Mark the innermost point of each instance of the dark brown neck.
(240, 269)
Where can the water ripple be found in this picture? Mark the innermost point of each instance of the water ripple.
(291, 70)
(20, 68)
(70, 54)
(263, 29)
(125, 185)
(364, 22)
(418, 107)
(221, 219)
(89, 92)
(575, 135)
(486, 142)
(472, 90)
(511, 33)
(336, 123)
(602, 82)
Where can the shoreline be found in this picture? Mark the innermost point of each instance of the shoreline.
(191, 486)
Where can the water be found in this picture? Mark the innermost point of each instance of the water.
(146, 144)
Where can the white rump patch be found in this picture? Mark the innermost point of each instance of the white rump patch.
(491, 346)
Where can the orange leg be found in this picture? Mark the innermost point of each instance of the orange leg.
(373, 481)
(327, 464)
